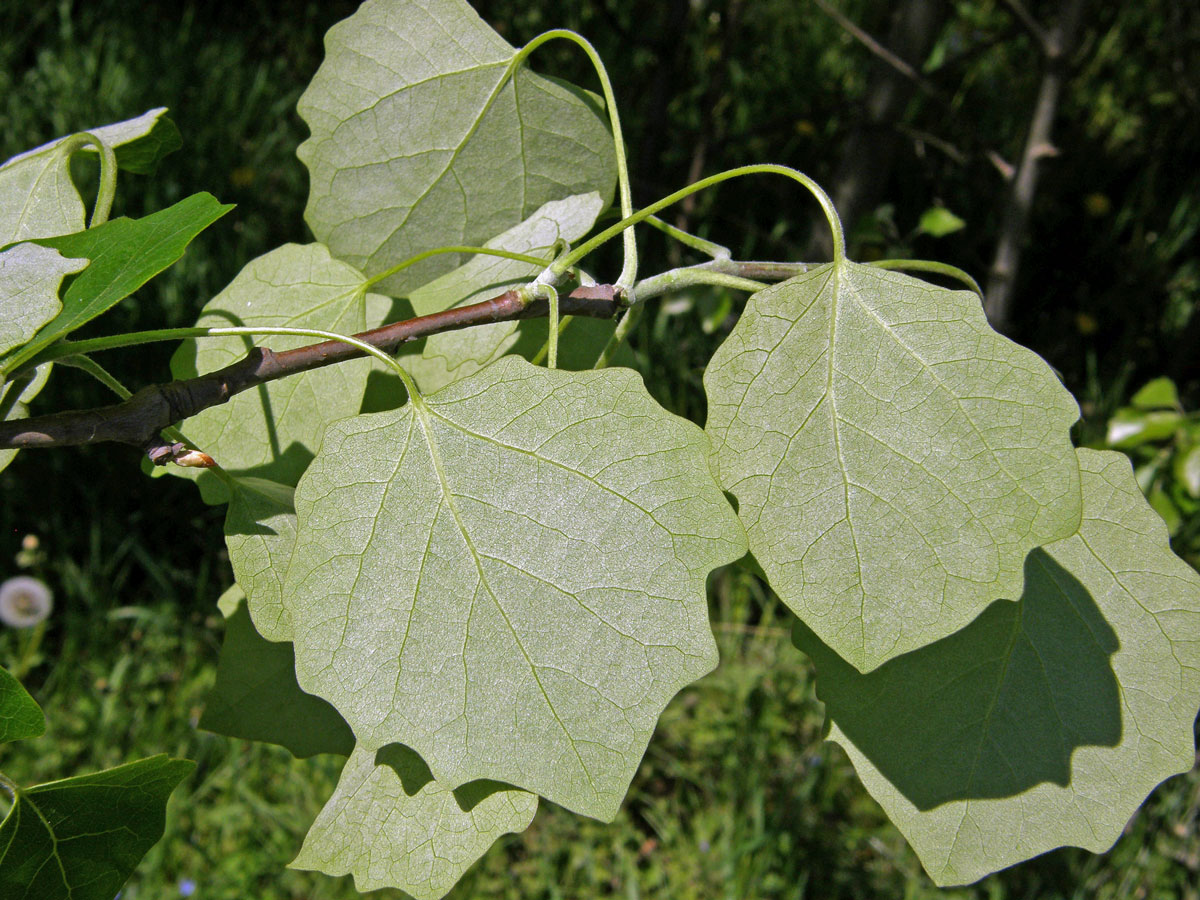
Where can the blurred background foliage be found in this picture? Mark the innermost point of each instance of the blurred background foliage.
(738, 797)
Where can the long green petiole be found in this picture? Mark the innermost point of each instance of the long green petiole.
(926, 265)
(409, 384)
(839, 239)
(551, 295)
(630, 266)
(108, 172)
(708, 248)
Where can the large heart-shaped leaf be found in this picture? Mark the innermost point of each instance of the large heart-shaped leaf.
(82, 837)
(274, 430)
(390, 824)
(422, 137)
(508, 577)
(37, 196)
(894, 459)
(30, 276)
(1042, 723)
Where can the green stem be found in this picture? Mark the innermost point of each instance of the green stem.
(839, 238)
(97, 371)
(16, 387)
(628, 321)
(689, 275)
(541, 354)
(549, 293)
(481, 251)
(925, 265)
(629, 268)
(108, 172)
(708, 248)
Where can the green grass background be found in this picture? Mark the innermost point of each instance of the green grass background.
(737, 798)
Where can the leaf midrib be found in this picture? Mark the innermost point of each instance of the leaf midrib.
(423, 413)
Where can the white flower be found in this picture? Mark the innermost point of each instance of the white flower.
(24, 602)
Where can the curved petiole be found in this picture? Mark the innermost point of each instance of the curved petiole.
(630, 266)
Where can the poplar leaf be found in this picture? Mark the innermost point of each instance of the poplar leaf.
(82, 837)
(260, 532)
(894, 458)
(455, 354)
(272, 431)
(30, 276)
(38, 197)
(1043, 723)
(20, 716)
(509, 577)
(420, 139)
(124, 254)
(390, 824)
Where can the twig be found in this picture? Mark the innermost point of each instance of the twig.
(140, 419)
(882, 52)
(1030, 24)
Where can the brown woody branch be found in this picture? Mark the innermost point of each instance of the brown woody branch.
(140, 419)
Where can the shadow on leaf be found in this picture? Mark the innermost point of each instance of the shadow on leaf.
(992, 710)
(414, 774)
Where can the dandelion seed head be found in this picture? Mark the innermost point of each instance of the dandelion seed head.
(24, 602)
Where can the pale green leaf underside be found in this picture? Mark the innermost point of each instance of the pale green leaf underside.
(273, 431)
(894, 459)
(17, 406)
(1044, 723)
(260, 532)
(37, 196)
(30, 276)
(415, 145)
(17, 410)
(453, 355)
(391, 828)
(511, 579)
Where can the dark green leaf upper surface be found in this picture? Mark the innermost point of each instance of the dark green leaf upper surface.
(20, 716)
(124, 254)
(509, 577)
(1045, 722)
(256, 696)
(80, 838)
(390, 824)
(420, 139)
(894, 459)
